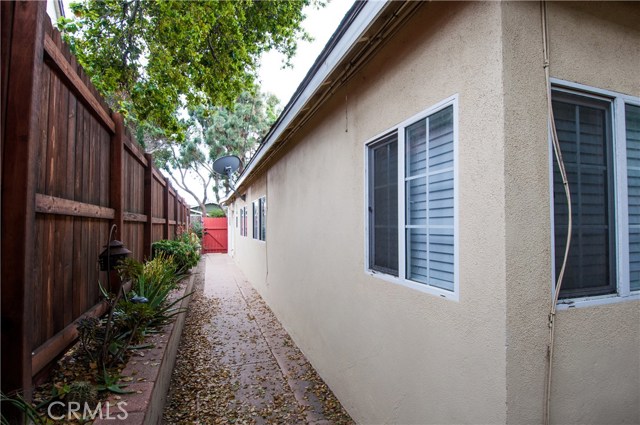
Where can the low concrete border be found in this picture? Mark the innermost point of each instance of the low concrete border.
(148, 373)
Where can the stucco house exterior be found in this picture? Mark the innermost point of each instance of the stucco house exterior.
(405, 218)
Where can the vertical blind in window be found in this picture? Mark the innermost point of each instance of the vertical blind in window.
(632, 119)
(256, 219)
(383, 206)
(583, 132)
(241, 221)
(245, 221)
(263, 219)
(429, 205)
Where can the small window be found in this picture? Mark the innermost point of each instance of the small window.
(599, 135)
(584, 131)
(411, 202)
(263, 218)
(245, 221)
(256, 219)
(260, 219)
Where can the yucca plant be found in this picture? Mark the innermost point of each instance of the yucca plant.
(31, 415)
(152, 283)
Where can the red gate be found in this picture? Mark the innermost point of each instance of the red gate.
(215, 235)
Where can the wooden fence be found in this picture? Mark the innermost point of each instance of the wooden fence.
(70, 170)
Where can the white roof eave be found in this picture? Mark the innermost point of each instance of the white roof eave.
(360, 24)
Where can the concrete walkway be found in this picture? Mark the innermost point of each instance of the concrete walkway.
(267, 371)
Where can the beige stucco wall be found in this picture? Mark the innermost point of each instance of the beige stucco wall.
(396, 355)
(393, 354)
(249, 252)
(596, 374)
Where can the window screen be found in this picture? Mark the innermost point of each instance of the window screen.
(632, 119)
(256, 219)
(583, 127)
(383, 206)
(263, 219)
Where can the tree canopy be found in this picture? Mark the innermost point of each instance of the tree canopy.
(214, 132)
(152, 58)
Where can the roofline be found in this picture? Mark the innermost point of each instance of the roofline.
(357, 20)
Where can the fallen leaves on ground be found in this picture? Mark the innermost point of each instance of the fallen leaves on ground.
(217, 382)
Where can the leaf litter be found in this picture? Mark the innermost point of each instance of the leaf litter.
(214, 382)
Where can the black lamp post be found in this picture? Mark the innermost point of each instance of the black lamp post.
(114, 252)
(112, 255)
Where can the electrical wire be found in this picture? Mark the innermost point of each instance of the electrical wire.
(563, 173)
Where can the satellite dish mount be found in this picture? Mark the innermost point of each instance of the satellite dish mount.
(226, 166)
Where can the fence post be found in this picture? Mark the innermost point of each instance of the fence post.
(116, 200)
(148, 206)
(176, 203)
(21, 135)
(116, 172)
(165, 209)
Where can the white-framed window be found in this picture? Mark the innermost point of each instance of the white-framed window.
(260, 219)
(263, 218)
(243, 221)
(256, 219)
(599, 135)
(411, 202)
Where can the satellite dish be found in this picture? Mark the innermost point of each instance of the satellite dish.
(226, 165)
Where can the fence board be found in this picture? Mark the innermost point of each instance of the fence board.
(18, 222)
(79, 172)
(53, 205)
(58, 60)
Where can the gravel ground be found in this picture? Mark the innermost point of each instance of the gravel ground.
(236, 365)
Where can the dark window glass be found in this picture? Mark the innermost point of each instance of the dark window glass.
(583, 127)
(383, 206)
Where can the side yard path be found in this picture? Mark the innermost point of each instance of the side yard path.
(237, 365)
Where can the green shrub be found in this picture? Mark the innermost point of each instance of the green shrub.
(216, 213)
(185, 251)
(196, 227)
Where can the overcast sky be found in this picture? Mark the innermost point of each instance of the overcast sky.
(320, 24)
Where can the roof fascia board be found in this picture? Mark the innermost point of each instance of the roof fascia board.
(360, 24)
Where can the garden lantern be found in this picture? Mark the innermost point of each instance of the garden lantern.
(112, 255)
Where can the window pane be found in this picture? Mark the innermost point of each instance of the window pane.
(416, 208)
(263, 219)
(441, 140)
(441, 257)
(256, 218)
(383, 206)
(585, 145)
(441, 203)
(417, 263)
(632, 119)
(429, 200)
(416, 149)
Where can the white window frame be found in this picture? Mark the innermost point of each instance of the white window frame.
(400, 279)
(255, 219)
(258, 204)
(621, 230)
(262, 201)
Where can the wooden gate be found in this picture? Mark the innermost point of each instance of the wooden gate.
(215, 235)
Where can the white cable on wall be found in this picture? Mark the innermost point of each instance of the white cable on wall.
(558, 156)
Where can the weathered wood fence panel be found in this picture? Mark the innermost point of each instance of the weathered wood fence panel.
(70, 170)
